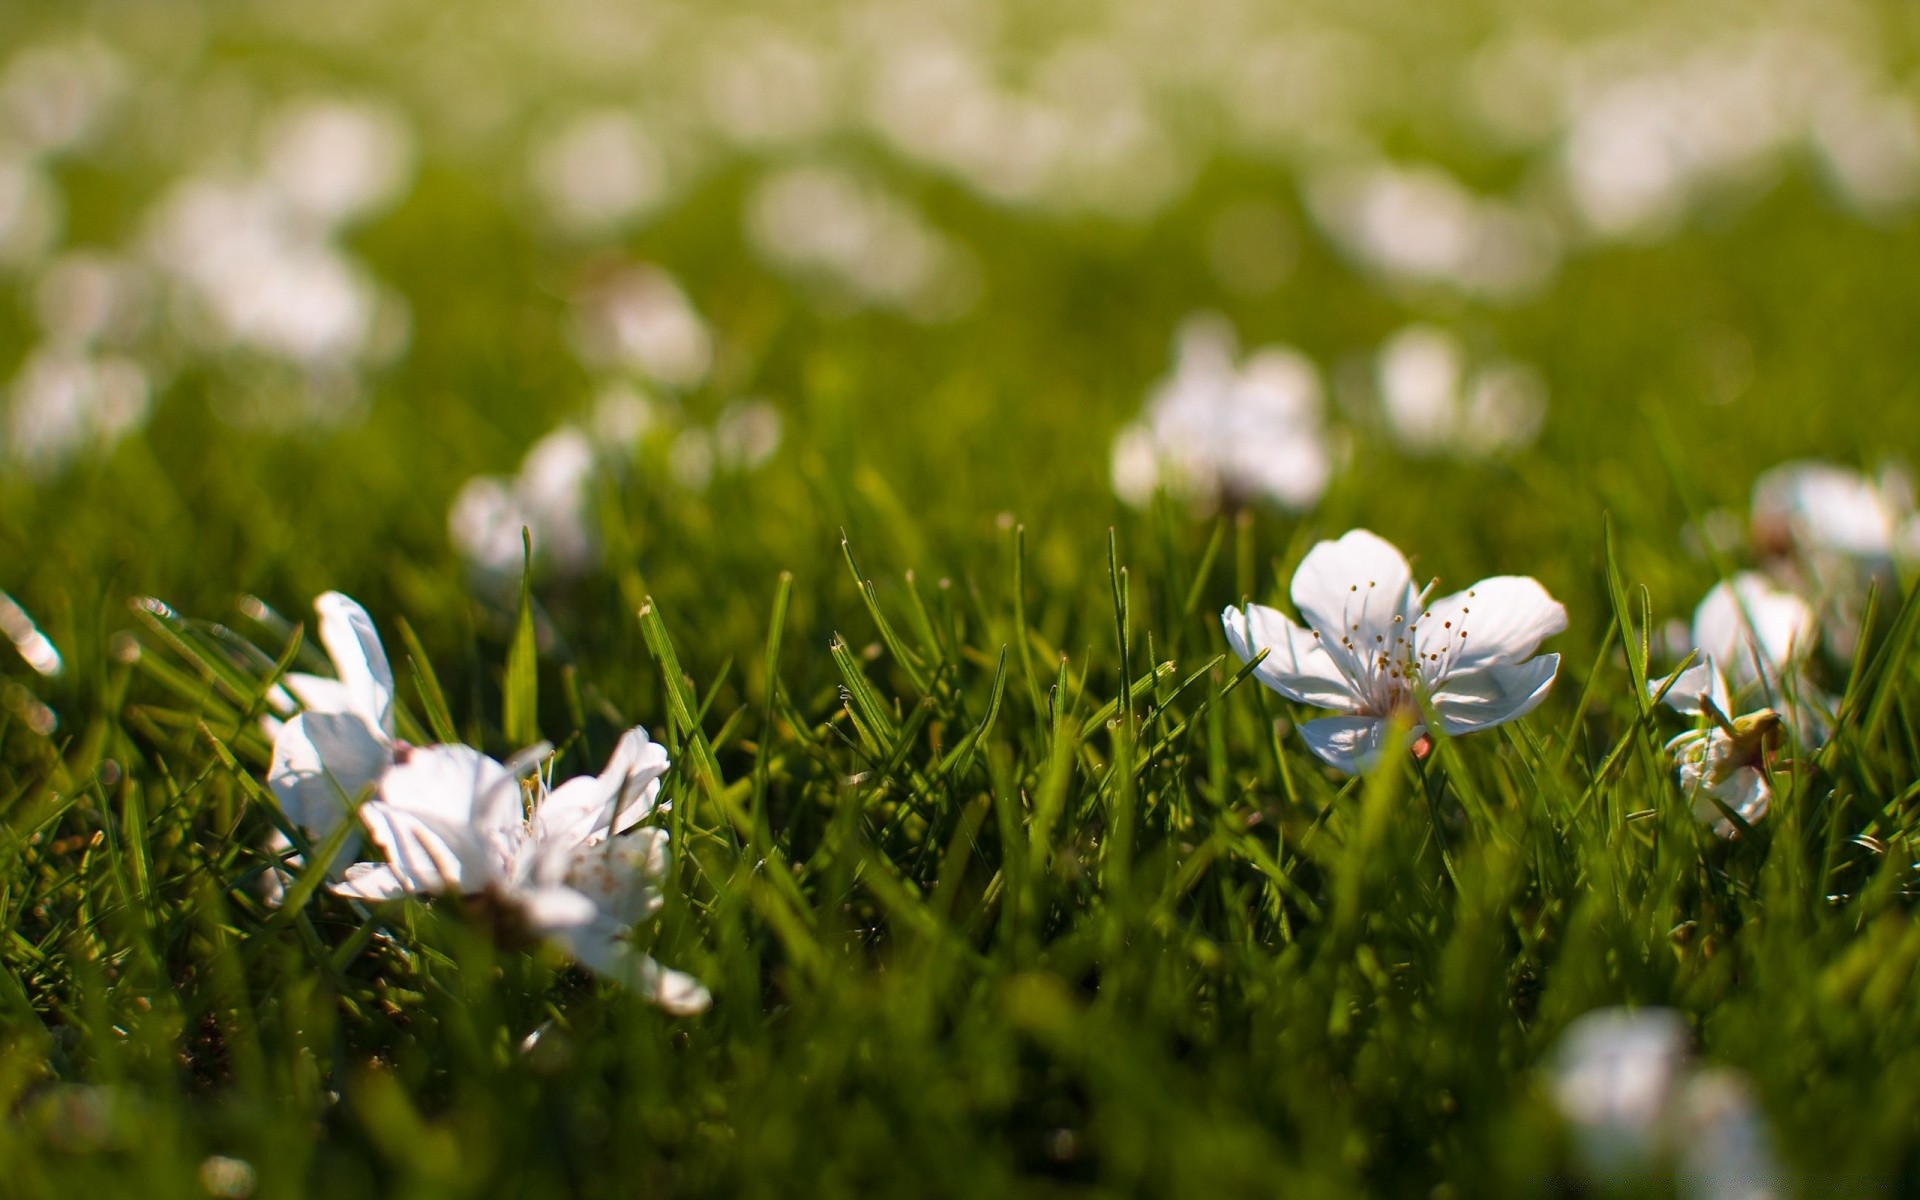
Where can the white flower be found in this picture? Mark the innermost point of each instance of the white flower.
(1816, 507)
(1637, 1103)
(575, 872)
(1726, 766)
(637, 318)
(1750, 636)
(341, 743)
(1218, 429)
(1613, 1077)
(1374, 647)
(551, 497)
(1434, 407)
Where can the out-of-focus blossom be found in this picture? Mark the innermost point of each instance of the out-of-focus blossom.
(65, 401)
(690, 459)
(861, 244)
(1433, 406)
(1639, 1106)
(336, 160)
(1420, 225)
(746, 434)
(765, 87)
(1375, 650)
(550, 497)
(1613, 1077)
(55, 95)
(599, 172)
(1870, 145)
(1831, 532)
(1818, 508)
(1216, 429)
(622, 415)
(262, 281)
(1755, 633)
(637, 319)
(1726, 1148)
(30, 211)
(86, 297)
(575, 871)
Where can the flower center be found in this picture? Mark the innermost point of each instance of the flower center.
(1387, 660)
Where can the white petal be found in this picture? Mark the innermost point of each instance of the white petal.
(675, 991)
(1824, 507)
(1692, 688)
(603, 948)
(592, 807)
(451, 804)
(1350, 744)
(1353, 589)
(1752, 629)
(374, 882)
(1498, 620)
(554, 911)
(1296, 666)
(322, 762)
(351, 641)
(1494, 695)
(316, 693)
(457, 783)
(430, 854)
(1744, 790)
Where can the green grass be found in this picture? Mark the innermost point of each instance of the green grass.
(1006, 878)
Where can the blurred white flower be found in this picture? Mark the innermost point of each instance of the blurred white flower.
(690, 459)
(622, 416)
(1816, 507)
(1434, 407)
(1218, 430)
(30, 211)
(340, 742)
(1420, 225)
(1870, 145)
(1832, 533)
(84, 297)
(746, 434)
(865, 245)
(55, 94)
(484, 524)
(638, 319)
(64, 401)
(336, 160)
(550, 497)
(260, 277)
(1755, 633)
(765, 88)
(1638, 1105)
(575, 871)
(1376, 650)
(1726, 1148)
(598, 172)
(1613, 1076)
